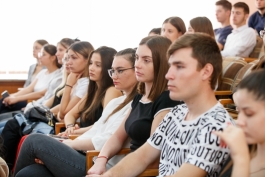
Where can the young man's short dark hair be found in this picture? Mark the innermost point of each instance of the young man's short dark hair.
(243, 6)
(211, 54)
(225, 4)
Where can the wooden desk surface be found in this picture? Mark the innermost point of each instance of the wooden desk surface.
(11, 85)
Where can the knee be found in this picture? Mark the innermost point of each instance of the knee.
(35, 138)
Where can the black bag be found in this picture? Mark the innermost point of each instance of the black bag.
(27, 126)
(40, 113)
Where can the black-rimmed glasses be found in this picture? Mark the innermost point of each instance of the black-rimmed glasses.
(117, 71)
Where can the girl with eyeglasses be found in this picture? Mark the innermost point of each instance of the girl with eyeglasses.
(149, 106)
(112, 116)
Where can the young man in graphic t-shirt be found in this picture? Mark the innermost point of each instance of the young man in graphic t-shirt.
(183, 140)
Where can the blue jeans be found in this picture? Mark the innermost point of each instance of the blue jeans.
(59, 159)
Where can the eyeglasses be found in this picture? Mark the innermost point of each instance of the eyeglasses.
(65, 59)
(117, 71)
(40, 54)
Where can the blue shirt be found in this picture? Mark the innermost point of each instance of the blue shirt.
(222, 33)
(256, 21)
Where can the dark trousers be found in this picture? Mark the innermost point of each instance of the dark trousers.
(11, 135)
(13, 107)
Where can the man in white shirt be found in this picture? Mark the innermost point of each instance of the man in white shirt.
(183, 140)
(242, 40)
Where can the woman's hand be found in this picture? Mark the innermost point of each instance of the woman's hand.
(69, 130)
(72, 78)
(38, 161)
(62, 134)
(98, 168)
(10, 100)
(235, 139)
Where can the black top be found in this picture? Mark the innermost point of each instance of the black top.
(57, 99)
(88, 122)
(138, 124)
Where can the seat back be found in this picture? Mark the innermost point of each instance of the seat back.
(257, 49)
(231, 67)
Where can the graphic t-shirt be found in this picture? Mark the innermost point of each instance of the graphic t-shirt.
(191, 142)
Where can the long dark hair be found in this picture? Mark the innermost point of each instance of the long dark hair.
(203, 25)
(85, 49)
(66, 42)
(96, 93)
(51, 49)
(158, 46)
(129, 55)
(177, 22)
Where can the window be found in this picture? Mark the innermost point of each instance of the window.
(115, 23)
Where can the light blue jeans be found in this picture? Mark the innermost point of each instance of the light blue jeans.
(59, 159)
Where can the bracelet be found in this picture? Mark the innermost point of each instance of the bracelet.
(102, 156)
(69, 125)
(68, 85)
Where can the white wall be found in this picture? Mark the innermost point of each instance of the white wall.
(115, 23)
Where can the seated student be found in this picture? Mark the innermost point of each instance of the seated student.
(249, 99)
(148, 107)
(39, 86)
(53, 85)
(242, 40)
(76, 85)
(183, 139)
(100, 92)
(124, 79)
(62, 46)
(223, 12)
(155, 32)
(34, 69)
(173, 28)
(201, 24)
(257, 19)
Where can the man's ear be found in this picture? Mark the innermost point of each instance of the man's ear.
(246, 16)
(207, 71)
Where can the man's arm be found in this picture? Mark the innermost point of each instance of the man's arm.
(220, 46)
(189, 170)
(134, 163)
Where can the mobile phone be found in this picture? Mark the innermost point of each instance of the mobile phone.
(5, 94)
(59, 138)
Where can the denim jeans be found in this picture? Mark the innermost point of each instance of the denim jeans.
(59, 159)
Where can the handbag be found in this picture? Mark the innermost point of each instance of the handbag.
(40, 113)
(27, 126)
